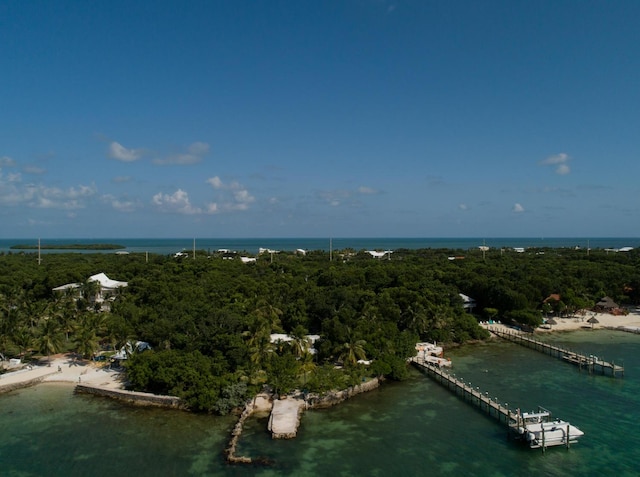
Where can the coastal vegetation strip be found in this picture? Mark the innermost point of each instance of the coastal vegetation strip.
(69, 246)
(210, 320)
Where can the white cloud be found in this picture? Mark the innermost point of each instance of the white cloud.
(517, 208)
(124, 205)
(231, 197)
(555, 159)
(34, 170)
(243, 197)
(178, 202)
(43, 197)
(238, 197)
(346, 197)
(121, 205)
(216, 182)
(199, 148)
(366, 190)
(16, 177)
(560, 161)
(6, 161)
(15, 193)
(212, 208)
(463, 207)
(194, 154)
(334, 197)
(119, 152)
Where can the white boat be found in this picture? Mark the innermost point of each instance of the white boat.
(537, 429)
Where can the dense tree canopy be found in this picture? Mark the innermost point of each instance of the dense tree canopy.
(209, 320)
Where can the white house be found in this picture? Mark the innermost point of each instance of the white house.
(107, 288)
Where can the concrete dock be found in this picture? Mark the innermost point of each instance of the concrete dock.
(285, 418)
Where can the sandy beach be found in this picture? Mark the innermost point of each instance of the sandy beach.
(605, 320)
(580, 322)
(65, 369)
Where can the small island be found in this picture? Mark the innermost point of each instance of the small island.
(70, 246)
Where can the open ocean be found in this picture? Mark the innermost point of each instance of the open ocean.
(252, 245)
(413, 428)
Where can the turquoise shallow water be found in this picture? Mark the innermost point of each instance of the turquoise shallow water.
(415, 427)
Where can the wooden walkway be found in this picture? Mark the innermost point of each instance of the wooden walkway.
(476, 397)
(470, 394)
(590, 363)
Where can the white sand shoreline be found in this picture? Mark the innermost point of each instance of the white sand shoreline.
(579, 322)
(64, 369)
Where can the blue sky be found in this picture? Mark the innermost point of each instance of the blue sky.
(351, 118)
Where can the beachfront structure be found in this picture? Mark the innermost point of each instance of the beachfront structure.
(376, 254)
(129, 348)
(309, 340)
(468, 303)
(606, 305)
(105, 291)
(431, 353)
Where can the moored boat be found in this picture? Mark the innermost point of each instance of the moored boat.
(538, 429)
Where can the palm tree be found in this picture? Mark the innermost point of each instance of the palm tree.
(299, 342)
(90, 290)
(9, 321)
(66, 313)
(37, 311)
(49, 339)
(23, 338)
(86, 341)
(307, 366)
(260, 349)
(416, 319)
(267, 311)
(90, 327)
(353, 349)
(118, 331)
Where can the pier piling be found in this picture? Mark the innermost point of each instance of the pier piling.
(515, 423)
(591, 363)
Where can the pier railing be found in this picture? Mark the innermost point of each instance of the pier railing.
(591, 363)
(474, 396)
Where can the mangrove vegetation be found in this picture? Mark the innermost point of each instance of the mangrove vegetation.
(210, 319)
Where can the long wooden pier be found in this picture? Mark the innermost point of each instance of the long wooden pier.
(474, 396)
(590, 363)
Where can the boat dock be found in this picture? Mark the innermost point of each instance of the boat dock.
(591, 363)
(473, 395)
(513, 419)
